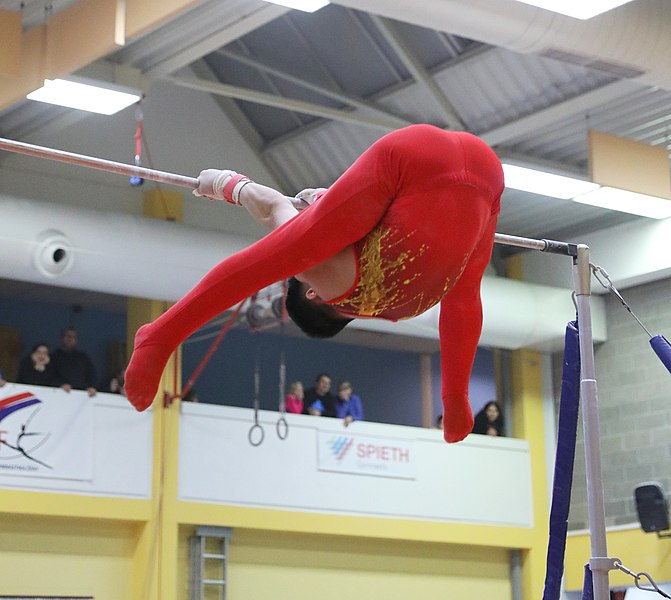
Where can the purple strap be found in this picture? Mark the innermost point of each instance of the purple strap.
(563, 473)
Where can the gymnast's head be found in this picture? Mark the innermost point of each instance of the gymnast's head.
(315, 318)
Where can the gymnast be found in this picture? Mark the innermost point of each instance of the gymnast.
(410, 224)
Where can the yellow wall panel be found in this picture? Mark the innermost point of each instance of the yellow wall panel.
(142, 15)
(629, 165)
(10, 34)
(297, 567)
(45, 555)
(637, 550)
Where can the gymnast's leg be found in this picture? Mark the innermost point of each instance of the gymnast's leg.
(347, 212)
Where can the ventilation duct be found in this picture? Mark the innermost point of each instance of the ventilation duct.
(630, 40)
(135, 256)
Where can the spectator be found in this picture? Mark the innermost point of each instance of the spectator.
(74, 368)
(2, 379)
(115, 384)
(489, 421)
(322, 392)
(37, 368)
(439, 422)
(348, 405)
(293, 403)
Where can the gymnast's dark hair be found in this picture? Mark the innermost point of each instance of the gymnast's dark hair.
(313, 319)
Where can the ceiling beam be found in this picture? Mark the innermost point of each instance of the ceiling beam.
(348, 99)
(420, 74)
(308, 108)
(583, 103)
(224, 34)
(243, 125)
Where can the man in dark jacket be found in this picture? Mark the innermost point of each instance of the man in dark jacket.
(73, 367)
(318, 399)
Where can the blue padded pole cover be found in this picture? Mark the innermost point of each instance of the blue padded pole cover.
(563, 473)
(662, 349)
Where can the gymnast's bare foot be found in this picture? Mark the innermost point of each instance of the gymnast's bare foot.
(144, 371)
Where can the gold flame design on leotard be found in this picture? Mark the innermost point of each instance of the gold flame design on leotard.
(382, 286)
(386, 275)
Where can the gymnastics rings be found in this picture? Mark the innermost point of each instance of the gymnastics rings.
(251, 436)
(257, 426)
(256, 433)
(282, 428)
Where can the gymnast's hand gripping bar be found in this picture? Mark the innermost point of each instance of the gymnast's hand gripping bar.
(98, 163)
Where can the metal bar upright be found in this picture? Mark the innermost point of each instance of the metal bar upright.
(590, 416)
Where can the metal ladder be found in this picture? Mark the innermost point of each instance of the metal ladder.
(209, 562)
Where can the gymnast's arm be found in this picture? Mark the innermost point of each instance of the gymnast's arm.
(267, 206)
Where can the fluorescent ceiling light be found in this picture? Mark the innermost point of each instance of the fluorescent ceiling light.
(304, 5)
(629, 202)
(578, 9)
(92, 96)
(545, 184)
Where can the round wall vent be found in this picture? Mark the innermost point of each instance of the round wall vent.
(53, 255)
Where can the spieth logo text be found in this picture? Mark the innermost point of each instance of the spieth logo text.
(382, 457)
(341, 445)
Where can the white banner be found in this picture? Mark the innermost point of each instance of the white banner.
(46, 433)
(366, 455)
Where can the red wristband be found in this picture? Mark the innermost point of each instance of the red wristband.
(230, 186)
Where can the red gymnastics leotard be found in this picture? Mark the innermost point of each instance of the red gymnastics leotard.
(419, 207)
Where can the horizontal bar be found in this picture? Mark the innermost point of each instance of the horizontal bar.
(543, 245)
(191, 182)
(98, 163)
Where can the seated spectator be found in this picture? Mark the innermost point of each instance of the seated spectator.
(348, 405)
(293, 403)
(3, 381)
(320, 391)
(489, 421)
(37, 368)
(74, 368)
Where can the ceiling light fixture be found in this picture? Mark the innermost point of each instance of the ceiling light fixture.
(304, 5)
(545, 184)
(629, 202)
(89, 95)
(578, 9)
(585, 192)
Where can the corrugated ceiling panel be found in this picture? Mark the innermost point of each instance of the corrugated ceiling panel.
(499, 86)
(319, 158)
(644, 116)
(204, 20)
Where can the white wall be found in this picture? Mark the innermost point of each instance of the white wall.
(109, 440)
(481, 480)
